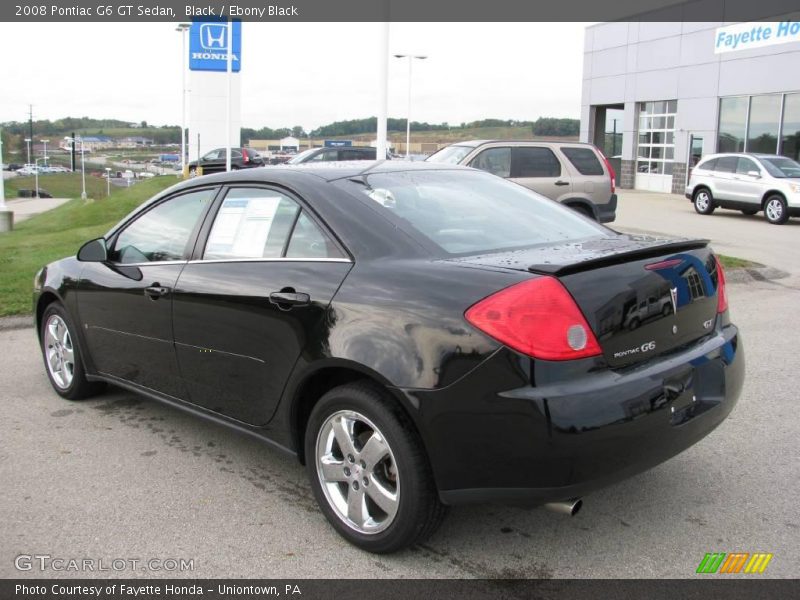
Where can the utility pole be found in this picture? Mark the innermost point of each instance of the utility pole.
(72, 151)
(30, 123)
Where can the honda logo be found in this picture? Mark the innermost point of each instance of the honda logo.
(214, 36)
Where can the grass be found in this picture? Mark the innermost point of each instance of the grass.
(58, 233)
(733, 262)
(59, 185)
(445, 136)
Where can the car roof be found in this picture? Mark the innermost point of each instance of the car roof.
(476, 143)
(747, 154)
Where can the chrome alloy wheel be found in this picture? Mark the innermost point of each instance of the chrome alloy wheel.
(774, 209)
(357, 472)
(702, 201)
(59, 352)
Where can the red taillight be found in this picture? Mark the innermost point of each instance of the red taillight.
(537, 317)
(611, 172)
(722, 295)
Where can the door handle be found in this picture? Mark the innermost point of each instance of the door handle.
(559, 182)
(155, 291)
(286, 300)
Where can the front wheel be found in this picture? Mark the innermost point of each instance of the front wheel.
(369, 471)
(775, 210)
(704, 202)
(62, 356)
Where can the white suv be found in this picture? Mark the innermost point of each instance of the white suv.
(747, 182)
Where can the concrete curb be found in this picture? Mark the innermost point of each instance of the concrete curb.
(16, 322)
(751, 274)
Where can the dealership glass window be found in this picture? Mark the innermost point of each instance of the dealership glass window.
(656, 149)
(764, 123)
(732, 124)
(790, 141)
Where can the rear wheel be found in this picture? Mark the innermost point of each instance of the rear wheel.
(369, 471)
(704, 202)
(775, 210)
(62, 356)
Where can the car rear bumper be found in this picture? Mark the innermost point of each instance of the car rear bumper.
(607, 213)
(536, 444)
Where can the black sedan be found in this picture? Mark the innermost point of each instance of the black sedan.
(216, 161)
(417, 335)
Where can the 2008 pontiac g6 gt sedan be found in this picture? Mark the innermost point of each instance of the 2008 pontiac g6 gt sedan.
(418, 335)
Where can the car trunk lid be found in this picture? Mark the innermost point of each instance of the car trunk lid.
(642, 296)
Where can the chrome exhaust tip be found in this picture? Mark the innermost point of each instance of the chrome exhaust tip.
(565, 507)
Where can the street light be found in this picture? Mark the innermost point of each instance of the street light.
(28, 140)
(182, 28)
(44, 152)
(36, 172)
(108, 181)
(410, 58)
(72, 141)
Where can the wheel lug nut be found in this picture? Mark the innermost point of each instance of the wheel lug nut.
(355, 485)
(347, 471)
(350, 458)
(366, 481)
(363, 464)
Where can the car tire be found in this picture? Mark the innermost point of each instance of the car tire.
(703, 201)
(369, 471)
(749, 211)
(775, 210)
(62, 356)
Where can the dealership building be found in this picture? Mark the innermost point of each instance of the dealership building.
(657, 96)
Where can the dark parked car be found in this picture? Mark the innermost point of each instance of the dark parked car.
(214, 161)
(340, 153)
(417, 335)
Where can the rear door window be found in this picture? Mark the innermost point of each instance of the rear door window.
(583, 159)
(745, 165)
(534, 162)
(727, 164)
(708, 165)
(251, 223)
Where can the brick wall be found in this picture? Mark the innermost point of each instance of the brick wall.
(678, 178)
(627, 177)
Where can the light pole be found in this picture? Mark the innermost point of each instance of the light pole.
(6, 216)
(108, 181)
(182, 28)
(83, 169)
(36, 172)
(45, 150)
(28, 141)
(410, 58)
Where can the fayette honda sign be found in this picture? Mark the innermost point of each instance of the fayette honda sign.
(208, 45)
(744, 36)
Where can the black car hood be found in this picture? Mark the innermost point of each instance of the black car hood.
(580, 255)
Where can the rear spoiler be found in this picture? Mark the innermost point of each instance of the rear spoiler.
(616, 257)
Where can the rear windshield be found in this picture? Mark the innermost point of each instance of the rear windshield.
(451, 155)
(468, 212)
(583, 159)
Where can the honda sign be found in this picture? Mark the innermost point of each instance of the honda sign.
(208, 45)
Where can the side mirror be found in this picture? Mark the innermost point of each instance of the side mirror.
(755, 174)
(93, 251)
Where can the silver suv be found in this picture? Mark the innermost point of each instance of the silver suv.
(747, 182)
(575, 174)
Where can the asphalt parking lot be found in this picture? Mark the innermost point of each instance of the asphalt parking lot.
(122, 477)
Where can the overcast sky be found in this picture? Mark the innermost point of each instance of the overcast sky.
(297, 74)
